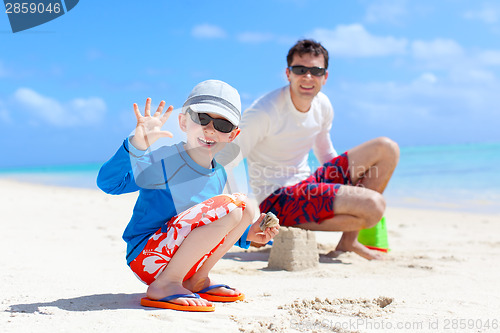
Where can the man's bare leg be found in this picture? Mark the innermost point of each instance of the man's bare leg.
(355, 208)
(372, 163)
(371, 166)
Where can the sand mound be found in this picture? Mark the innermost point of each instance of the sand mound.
(357, 307)
(318, 315)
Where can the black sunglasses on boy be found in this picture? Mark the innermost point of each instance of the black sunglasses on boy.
(302, 70)
(203, 119)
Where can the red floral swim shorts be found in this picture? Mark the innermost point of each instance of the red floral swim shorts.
(162, 246)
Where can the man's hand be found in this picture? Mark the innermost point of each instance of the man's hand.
(148, 129)
(258, 236)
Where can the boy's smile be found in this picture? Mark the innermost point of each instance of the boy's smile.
(206, 142)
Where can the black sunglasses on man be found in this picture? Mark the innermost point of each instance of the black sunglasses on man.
(302, 70)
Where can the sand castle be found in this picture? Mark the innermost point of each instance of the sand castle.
(294, 249)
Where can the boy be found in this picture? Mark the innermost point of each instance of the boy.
(182, 223)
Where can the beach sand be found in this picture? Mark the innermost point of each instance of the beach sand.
(62, 269)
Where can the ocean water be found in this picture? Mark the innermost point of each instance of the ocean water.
(463, 177)
(458, 177)
(77, 175)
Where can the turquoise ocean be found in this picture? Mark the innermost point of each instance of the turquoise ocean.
(462, 177)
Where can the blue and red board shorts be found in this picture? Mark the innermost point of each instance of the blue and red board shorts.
(161, 246)
(310, 200)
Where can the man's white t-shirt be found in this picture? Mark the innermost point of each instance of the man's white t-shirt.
(276, 139)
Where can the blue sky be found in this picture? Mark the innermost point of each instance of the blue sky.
(421, 72)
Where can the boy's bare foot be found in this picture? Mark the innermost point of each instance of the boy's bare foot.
(156, 291)
(197, 284)
(349, 243)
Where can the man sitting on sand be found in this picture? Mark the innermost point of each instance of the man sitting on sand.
(278, 131)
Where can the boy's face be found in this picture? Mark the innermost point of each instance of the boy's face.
(205, 138)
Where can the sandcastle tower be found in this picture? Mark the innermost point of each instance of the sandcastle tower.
(294, 249)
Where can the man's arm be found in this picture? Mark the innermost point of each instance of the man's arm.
(323, 146)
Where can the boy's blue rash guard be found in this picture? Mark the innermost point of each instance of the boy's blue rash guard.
(169, 182)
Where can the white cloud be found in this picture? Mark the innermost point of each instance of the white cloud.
(87, 110)
(354, 41)
(438, 48)
(489, 58)
(77, 112)
(417, 111)
(440, 54)
(459, 64)
(423, 101)
(426, 78)
(489, 13)
(477, 76)
(391, 11)
(208, 31)
(255, 37)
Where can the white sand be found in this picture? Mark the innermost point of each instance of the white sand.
(63, 269)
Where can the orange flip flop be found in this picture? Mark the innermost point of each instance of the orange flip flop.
(165, 303)
(219, 297)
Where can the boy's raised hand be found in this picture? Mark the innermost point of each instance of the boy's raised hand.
(148, 129)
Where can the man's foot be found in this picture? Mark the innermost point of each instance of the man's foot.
(349, 243)
(156, 292)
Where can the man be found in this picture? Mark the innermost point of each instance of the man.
(279, 130)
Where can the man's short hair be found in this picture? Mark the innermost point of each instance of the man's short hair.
(307, 46)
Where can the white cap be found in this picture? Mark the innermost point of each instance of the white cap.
(214, 96)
